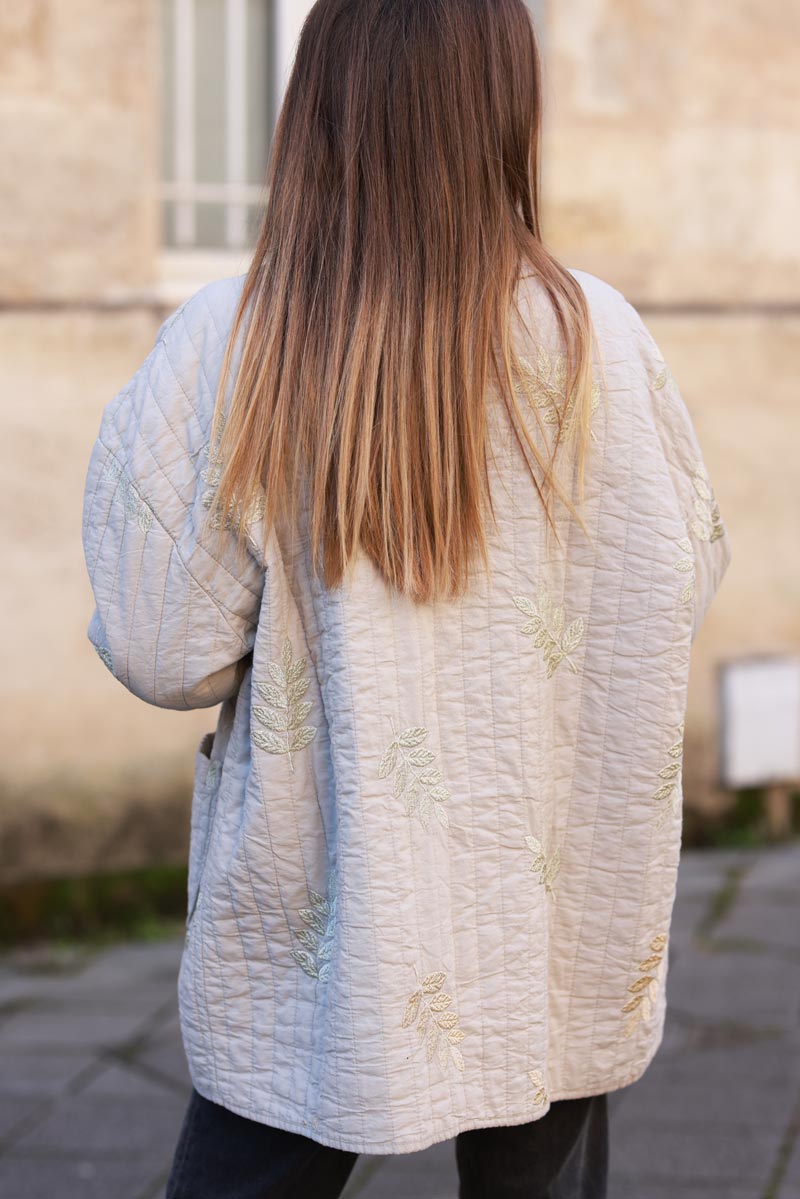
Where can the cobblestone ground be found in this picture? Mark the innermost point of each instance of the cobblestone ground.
(93, 1081)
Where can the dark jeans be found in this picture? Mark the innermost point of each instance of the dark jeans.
(562, 1155)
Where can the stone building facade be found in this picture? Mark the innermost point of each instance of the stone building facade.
(672, 169)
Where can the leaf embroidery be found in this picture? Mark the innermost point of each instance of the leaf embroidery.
(126, 494)
(546, 866)
(537, 1079)
(685, 565)
(544, 386)
(211, 475)
(659, 380)
(707, 525)
(416, 780)
(317, 936)
(545, 625)
(104, 654)
(645, 989)
(668, 794)
(436, 1022)
(284, 709)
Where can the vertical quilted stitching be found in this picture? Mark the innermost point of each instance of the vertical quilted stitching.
(197, 609)
(375, 963)
(572, 807)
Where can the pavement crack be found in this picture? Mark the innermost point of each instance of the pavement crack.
(790, 1138)
(720, 904)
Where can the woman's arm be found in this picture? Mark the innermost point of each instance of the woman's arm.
(176, 605)
(704, 554)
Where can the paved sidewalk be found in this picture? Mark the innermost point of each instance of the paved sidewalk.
(93, 1081)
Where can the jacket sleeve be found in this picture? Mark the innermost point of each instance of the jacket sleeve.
(176, 603)
(704, 553)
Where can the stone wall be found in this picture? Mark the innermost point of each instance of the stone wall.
(672, 169)
(78, 126)
(672, 164)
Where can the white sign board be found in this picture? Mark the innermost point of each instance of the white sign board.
(760, 720)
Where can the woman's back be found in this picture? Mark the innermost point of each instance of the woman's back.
(434, 846)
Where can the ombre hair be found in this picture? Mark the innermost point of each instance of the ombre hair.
(402, 210)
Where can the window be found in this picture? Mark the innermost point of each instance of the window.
(219, 100)
(225, 63)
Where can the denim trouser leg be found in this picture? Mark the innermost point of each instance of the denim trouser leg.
(562, 1155)
(220, 1155)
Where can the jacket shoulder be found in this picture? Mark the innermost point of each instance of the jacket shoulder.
(209, 310)
(608, 306)
(618, 325)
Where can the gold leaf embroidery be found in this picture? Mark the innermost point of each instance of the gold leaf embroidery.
(436, 1023)
(126, 494)
(645, 989)
(707, 525)
(659, 380)
(317, 937)
(685, 565)
(416, 780)
(544, 386)
(284, 709)
(546, 866)
(668, 793)
(537, 1079)
(545, 625)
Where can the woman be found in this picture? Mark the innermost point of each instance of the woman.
(425, 512)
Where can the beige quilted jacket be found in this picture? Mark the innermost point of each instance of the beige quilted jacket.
(433, 848)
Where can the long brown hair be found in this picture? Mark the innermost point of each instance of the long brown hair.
(403, 205)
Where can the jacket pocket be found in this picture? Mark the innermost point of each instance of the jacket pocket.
(204, 801)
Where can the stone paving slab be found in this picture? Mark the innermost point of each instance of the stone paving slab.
(791, 1178)
(54, 1027)
(119, 1080)
(693, 1154)
(108, 1127)
(767, 919)
(39, 1074)
(757, 990)
(93, 1079)
(23, 1177)
(427, 1174)
(752, 1085)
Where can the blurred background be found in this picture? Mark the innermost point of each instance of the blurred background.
(134, 137)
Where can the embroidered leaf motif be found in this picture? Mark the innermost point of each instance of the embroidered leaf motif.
(104, 654)
(543, 384)
(659, 380)
(537, 1079)
(667, 795)
(415, 779)
(645, 988)
(317, 937)
(284, 710)
(211, 475)
(546, 866)
(685, 565)
(707, 525)
(436, 1024)
(126, 494)
(546, 626)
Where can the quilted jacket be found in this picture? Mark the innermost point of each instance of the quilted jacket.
(433, 847)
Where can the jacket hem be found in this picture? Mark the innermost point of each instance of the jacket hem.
(436, 1132)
